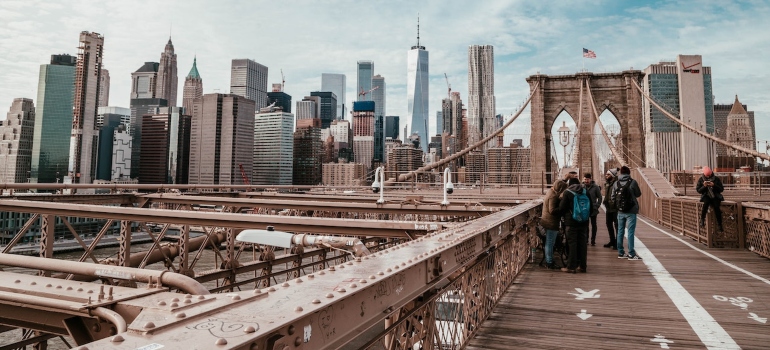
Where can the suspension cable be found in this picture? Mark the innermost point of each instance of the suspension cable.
(698, 132)
(434, 165)
(614, 151)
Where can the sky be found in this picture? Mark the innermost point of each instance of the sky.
(305, 38)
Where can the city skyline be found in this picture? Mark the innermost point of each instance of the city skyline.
(528, 38)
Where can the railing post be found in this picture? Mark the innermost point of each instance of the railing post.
(542, 182)
(518, 184)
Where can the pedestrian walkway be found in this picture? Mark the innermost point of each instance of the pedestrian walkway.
(680, 296)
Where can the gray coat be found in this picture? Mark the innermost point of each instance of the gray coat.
(595, 193)
(634, 187)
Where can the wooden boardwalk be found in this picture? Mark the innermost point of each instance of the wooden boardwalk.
(681, 296)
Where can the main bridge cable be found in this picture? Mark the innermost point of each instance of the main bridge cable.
(701, 133)
(434, 165)
(614, 151)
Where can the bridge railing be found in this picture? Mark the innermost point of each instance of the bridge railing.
(757, 227)
(449, 318)
(682, 215)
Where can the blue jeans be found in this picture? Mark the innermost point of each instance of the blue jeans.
(626, 221)
(550, 240)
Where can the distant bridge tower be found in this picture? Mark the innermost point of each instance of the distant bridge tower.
(611, 91)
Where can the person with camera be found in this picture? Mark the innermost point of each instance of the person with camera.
(710, 188)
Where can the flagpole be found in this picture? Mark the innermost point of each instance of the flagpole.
(584, 63)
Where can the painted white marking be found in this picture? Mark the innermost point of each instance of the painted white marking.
(582, 295)
(765, 280)
(755, 317)
(662, 341)
(153, 346)
(583, 315)
(706, 327)
(741, 302)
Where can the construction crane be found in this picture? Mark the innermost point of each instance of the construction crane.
(448, 87)
(364, 93)
(243, 175)
(283, 81)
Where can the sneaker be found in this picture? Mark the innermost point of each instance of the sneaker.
(634, 257)
(552, 266)
(621, 256)
(608, 245)
(564, 269)
(581, 270)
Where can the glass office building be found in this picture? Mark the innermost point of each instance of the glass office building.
(53, 120)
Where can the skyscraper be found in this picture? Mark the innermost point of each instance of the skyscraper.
(378, 96)
(273, 147)
(481, 93)
(327, 104)
(364, 83)
(53, 119)
(104, 88)
(221, 139)
(165, 156)
(740, 132)
(391, 127)
(144, 81)
(16, 134)
(721, 112)
(109, 119)
(279, 99)
(417, 83)
(83, 144)
(363, 132)
(193, 87)
(452, 123)
(684, 87)
(249, 79)
(167, 84)
(335, 83)
(308, 112)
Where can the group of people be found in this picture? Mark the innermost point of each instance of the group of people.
(568, 196)
(621, 205)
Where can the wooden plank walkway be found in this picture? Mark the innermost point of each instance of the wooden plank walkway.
(681, 296)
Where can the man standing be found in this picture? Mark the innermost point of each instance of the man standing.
(595, 193)
(710, 188)
(625, 191)
(577, 231)
(550, 220)
(611, 215)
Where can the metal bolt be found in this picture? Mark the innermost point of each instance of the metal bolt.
(249, 329)
(33, 283)
(329, 295)
(221, 341)
(285, 284)
(236, 297)
(316, 301)
(311, 276)
(342, 266)
(331, 268)
(175, 300)
(298, 309)
(117, 339)
(200, 297)
(298, 280)
(353, 285)
(381, 273)
(149, 325)
(351, 263)
(187, 301)
(79, 289)
(161, 303)
(271, 289)
(371, 277)
(322, 272)
(341, 290)
(57, 287)
(181, 315)
(297, 341)
(48, 285)
(188, 296)
(109, 294)
(17, 281)
(257, 291)
(389, 270)
(362, 281)
(174, 305)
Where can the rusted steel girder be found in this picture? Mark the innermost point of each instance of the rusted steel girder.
(380, 228)
(312, 204)
(327, 309)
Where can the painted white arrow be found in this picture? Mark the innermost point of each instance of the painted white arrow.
(755, 317)
(583, 315)
(582, 295)
(662, 341)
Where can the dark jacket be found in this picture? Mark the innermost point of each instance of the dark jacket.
(551, 217)
(565, 206)
(609, 205)
(595, 193)
(634, 187)
(716, 190)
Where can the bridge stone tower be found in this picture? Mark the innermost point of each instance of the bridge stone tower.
(611, 91)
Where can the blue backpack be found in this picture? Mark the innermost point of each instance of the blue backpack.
(581, 206)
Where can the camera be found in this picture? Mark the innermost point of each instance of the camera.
(376, 187)
(450, 188)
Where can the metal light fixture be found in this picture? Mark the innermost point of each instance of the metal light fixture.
(378, 186)
(287, 240)
(564, 132)
(448, 186)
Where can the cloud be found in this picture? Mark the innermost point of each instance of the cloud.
(307, 38)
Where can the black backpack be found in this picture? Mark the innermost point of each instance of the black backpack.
(624, 199)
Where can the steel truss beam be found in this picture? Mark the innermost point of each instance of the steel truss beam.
(380, 228)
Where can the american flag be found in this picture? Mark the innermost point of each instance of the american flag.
(588, 53)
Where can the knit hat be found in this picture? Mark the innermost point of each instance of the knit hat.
(707, 171)
(612, 172)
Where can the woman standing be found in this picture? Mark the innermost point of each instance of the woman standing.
(550, 220)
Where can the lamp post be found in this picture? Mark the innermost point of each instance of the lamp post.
(564, 132)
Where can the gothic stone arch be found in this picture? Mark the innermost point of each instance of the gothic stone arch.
(613, 91)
